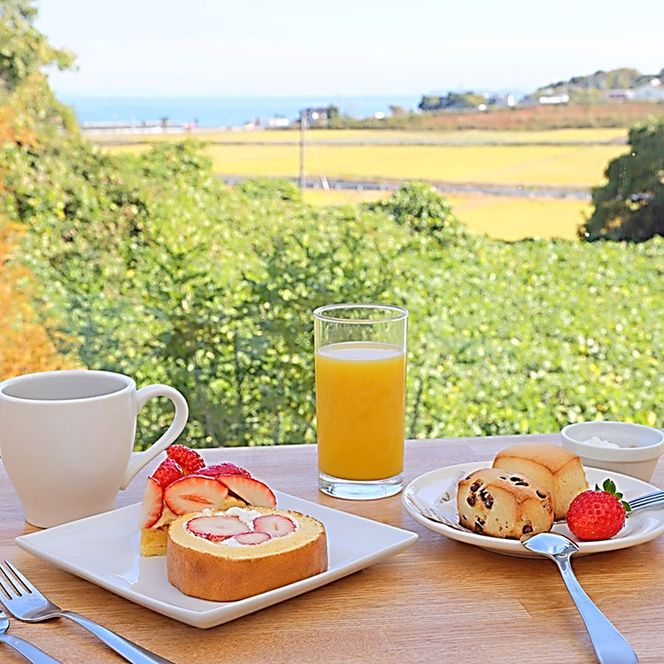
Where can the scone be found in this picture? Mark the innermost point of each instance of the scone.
(183, 483)
(507, 505)
(240, 552)
(550, 467)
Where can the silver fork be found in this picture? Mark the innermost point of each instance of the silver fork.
(649, 500)
(24, 601)
(431, 513)
(30, 652)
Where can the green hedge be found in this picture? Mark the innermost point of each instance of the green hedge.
(157, 270)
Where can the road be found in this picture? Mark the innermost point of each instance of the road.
(558, 193)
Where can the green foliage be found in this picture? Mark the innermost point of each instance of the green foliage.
(27, 105)
(630, 206)
(167, 161)
(623, 78)
(24, 50)
(175, 278)
(418, 207)
(271, 189)
(450, 101)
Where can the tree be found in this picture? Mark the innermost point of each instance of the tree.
(630, 206)
(26, 101)
(418, 207)
(29, 116)
(430, 103)
(452, 100)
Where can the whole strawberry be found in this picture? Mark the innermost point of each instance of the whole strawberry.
(597, 514)
(189, 460)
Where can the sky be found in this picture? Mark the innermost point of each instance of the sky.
(344, 47)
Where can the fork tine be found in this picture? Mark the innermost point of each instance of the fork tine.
(8, 587)
(647, 499)
(29, 587)
(647, 503)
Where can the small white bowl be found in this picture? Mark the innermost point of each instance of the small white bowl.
(639, 446)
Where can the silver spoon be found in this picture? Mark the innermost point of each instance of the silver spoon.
(30, 652)
(609, 644)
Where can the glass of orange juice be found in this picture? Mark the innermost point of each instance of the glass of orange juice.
(360, 399)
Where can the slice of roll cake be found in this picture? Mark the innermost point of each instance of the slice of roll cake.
(240, 552)
(493, 502)
(550, 467)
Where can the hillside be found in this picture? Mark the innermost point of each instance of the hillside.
(623, 78)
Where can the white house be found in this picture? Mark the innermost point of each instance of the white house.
(651, 91)
(553, 99)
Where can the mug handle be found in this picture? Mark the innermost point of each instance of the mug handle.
(178, 424)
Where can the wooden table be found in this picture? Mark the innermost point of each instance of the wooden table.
(439, 601)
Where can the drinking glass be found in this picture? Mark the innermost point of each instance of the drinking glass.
(360, 399)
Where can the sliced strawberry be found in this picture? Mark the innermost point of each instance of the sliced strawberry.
(223, 469)
(193, 493)
(251, 490)
(189, 460)
(217, 528)
(274, 525)
(169, 470)
(153, 503)
(253, 538)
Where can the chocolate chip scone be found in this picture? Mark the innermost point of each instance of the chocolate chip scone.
(493, 502)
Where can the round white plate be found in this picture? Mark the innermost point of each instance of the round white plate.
(640, 527)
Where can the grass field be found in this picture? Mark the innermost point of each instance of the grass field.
(537, 165)
(370, 154)
(499, 217)
(576, 166)
(471, 136)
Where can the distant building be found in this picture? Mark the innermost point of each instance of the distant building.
(501, 101)
(553, 100)
(278, 123)
(319, 116)
(651, 91)
(619, 95)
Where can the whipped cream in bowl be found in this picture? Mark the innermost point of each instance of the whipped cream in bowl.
(596, 441)
(623, 447)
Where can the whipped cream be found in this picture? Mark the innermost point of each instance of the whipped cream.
(596, 441)
(247, 517)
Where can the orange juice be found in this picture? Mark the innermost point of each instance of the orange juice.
(360, 396)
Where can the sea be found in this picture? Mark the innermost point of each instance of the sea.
(223, 111)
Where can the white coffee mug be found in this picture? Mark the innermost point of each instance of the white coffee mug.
(66, 439)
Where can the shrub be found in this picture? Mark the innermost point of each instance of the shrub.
(630, 206)
(418, 207)
(262, 188)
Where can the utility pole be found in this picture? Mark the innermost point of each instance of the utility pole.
(303, 129)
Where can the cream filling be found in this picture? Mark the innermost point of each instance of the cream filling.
(166, 517)
(247, 517)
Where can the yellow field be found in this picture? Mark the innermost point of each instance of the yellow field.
(471, 136)
(580, 166)
(499, 217)
(536, 165)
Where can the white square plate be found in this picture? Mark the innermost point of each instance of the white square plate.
(104, 549)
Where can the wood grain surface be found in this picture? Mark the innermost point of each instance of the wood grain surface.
(439, 601)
